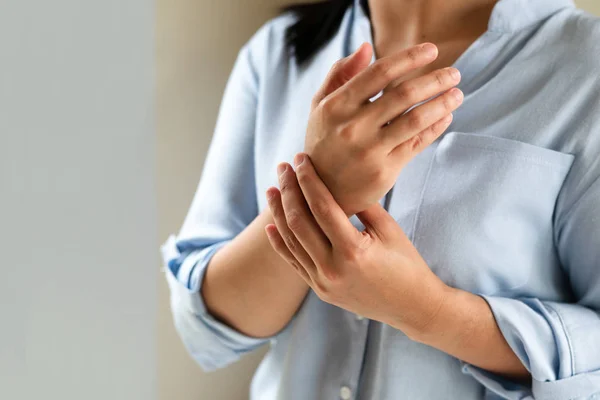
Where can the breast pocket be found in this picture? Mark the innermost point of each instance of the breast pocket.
(484, 221)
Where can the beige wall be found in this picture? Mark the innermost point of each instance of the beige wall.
(590, 5)
(197, 41)
(196, 48)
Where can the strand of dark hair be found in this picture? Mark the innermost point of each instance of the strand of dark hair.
(316, 24)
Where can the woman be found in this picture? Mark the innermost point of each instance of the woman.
(477, 276)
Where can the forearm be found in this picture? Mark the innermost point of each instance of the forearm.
(464, 327)
(248, 286)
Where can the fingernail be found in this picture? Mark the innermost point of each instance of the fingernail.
(430, 49)
(268, 229)
(355, 52)
(299, 159)
(457, 93)
(269, 194)
(455, 73)
(281, 169)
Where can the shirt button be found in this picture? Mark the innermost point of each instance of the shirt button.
(359, 317)
(345, 393)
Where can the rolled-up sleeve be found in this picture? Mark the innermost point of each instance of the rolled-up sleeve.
(211, 343)
(224, 204)
(559, 343)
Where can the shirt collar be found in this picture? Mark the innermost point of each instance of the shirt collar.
(507, 15)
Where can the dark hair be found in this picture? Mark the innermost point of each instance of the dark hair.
(317, 23)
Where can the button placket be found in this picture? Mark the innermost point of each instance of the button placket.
(360, 333)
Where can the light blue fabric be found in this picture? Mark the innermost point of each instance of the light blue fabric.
(506, 204)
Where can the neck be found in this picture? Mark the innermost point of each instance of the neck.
(399, 24)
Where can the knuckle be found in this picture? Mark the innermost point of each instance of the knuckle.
(408, 91)
(363, 154)
(440, 77)
(281, 248)
(432, 130)
(449, 76)
(378, 177)
(448, 102)
(337, 66)
(294, 264)
(338, 73)
(294, 220)
(275, 211)
(284, 186)
(349, 253)
(413, 54)
(333, 277)
(415, 120)
(290, 242)
(322, 291)
(326, 104)
(417, 142)
(297, 266)
(314, 102)
(346, 131)
(383, 68)
(321, 209)
(331, 104)
(334, 71)
(274, 207)
(302, 176)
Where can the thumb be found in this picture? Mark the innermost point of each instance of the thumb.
(343, 70)
(378, 221)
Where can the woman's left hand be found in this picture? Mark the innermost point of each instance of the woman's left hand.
(376, 273)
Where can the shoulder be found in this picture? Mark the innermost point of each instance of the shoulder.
(578, 33)
(579, 58)
(266, 48)
(571, 48)
(583, 24)
(273, 30)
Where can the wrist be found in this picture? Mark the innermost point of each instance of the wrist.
(423, 317)
(430, 319)
(453, 324)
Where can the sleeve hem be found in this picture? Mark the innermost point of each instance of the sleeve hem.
(581, 386)
(537, 333)
(191, 298)
(504, 388)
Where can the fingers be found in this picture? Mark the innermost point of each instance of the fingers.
(281, 248)
(407, 129)
(331, 218)
(382, 72)
(292, 244)
(395, 101)
(342, 71)
(379, 222)
(420, 141)
(299, 219)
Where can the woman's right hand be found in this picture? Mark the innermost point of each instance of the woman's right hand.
(359, 147)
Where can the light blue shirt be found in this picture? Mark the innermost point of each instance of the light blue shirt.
(505, 204)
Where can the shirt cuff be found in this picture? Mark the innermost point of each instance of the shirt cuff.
(584, 386)
(503, 388)
(212, 343)
(536, 333)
